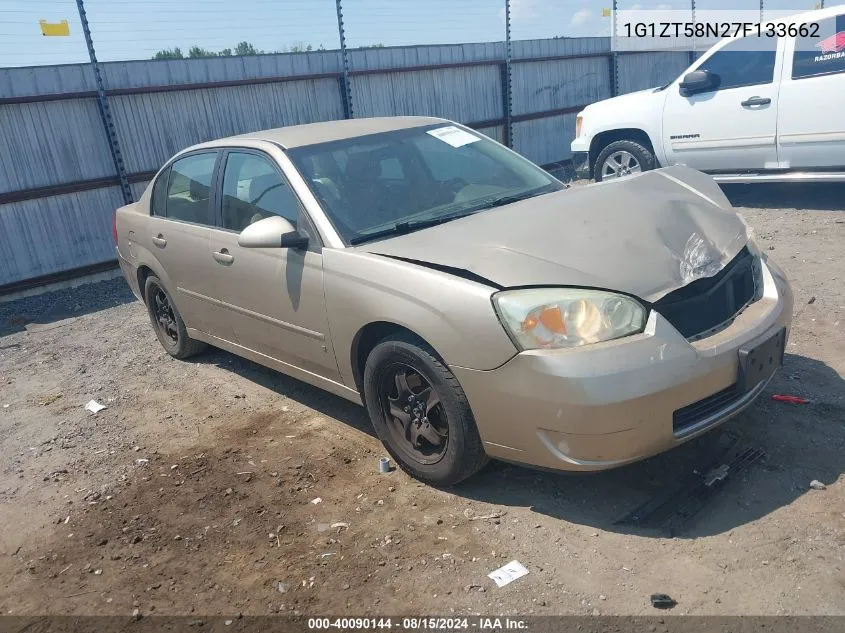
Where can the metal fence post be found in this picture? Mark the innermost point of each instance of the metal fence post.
(692, 52)
(103, 104)
(345, 91)
(506, 79)
(614, 57)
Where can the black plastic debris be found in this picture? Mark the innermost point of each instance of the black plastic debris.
(662, 601)
(673, 507)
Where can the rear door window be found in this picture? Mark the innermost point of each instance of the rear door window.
(823, 54)
(189, 189)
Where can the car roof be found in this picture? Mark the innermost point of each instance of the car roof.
(313, 133)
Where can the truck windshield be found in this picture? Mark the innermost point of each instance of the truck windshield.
(392, 182)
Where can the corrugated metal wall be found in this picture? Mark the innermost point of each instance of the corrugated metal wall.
(151, 127)
(52, 136)
(52, 142)
(56, 233)
(466, 94)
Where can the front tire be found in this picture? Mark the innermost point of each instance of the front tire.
(622, 158)
(420, 412)
(167, 322)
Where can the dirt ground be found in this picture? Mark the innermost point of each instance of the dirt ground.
(193, 491)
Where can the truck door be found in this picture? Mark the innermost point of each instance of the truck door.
(811, 108)
(732, 126)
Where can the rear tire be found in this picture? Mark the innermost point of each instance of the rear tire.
(167, 322)
(610, 161)
(456, 451)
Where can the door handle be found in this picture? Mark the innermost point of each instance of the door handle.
(222, 256)
(753, 101)
(159, 241)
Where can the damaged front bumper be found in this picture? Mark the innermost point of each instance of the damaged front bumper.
(609, 404)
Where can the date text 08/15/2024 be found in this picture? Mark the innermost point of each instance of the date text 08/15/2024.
(418, 623)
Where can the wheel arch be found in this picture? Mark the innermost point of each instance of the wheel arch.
(143, 272)
(370, 335)
(603, 139)
(147, 268)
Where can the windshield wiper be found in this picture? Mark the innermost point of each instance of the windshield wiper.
(501, 201)
(401, 228)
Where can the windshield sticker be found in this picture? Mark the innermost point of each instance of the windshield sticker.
(454, 136)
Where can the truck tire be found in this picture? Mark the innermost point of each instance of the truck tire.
(621, 158)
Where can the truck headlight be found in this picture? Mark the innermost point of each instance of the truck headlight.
(543, 318)
(579, 120)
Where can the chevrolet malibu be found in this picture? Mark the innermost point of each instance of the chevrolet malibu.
(459, 292)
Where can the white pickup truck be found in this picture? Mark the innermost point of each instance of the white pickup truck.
(748, 110)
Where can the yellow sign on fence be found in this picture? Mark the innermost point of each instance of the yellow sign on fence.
(54, 30)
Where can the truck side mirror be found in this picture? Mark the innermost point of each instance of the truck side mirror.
(697, 81)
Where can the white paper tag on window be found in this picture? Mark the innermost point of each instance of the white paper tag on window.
(454, 136)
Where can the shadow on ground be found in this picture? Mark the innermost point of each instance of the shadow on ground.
(800, 442)
(820, 196)
(57, 308)
(321, 401)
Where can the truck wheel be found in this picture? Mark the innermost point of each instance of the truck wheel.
(167, 322)
(621, 158)
(420, 412)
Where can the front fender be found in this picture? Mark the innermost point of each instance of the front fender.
(635, 111)
(454, 315)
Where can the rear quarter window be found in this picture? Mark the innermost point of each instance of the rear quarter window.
(159, 196)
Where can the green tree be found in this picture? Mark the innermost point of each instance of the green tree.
(242, 49)
(196, 51)
(169, 53)
(246, 48)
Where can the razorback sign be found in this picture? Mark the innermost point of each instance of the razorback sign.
(833, 44)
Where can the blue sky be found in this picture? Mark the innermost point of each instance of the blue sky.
(136, 29)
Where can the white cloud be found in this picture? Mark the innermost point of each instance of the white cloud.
(581, 18)
(523, 9)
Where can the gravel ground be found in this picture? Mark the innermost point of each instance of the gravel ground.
(193, 491)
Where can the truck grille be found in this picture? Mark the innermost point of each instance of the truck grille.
(708, 304)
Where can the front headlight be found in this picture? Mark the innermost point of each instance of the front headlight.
(538, 318)
(756, 268)
(579, 121)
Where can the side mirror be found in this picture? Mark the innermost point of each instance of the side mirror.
(697, 81)
(272, 232)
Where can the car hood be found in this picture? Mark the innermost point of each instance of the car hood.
(645, 235)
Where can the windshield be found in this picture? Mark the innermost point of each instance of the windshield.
(396, 182)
